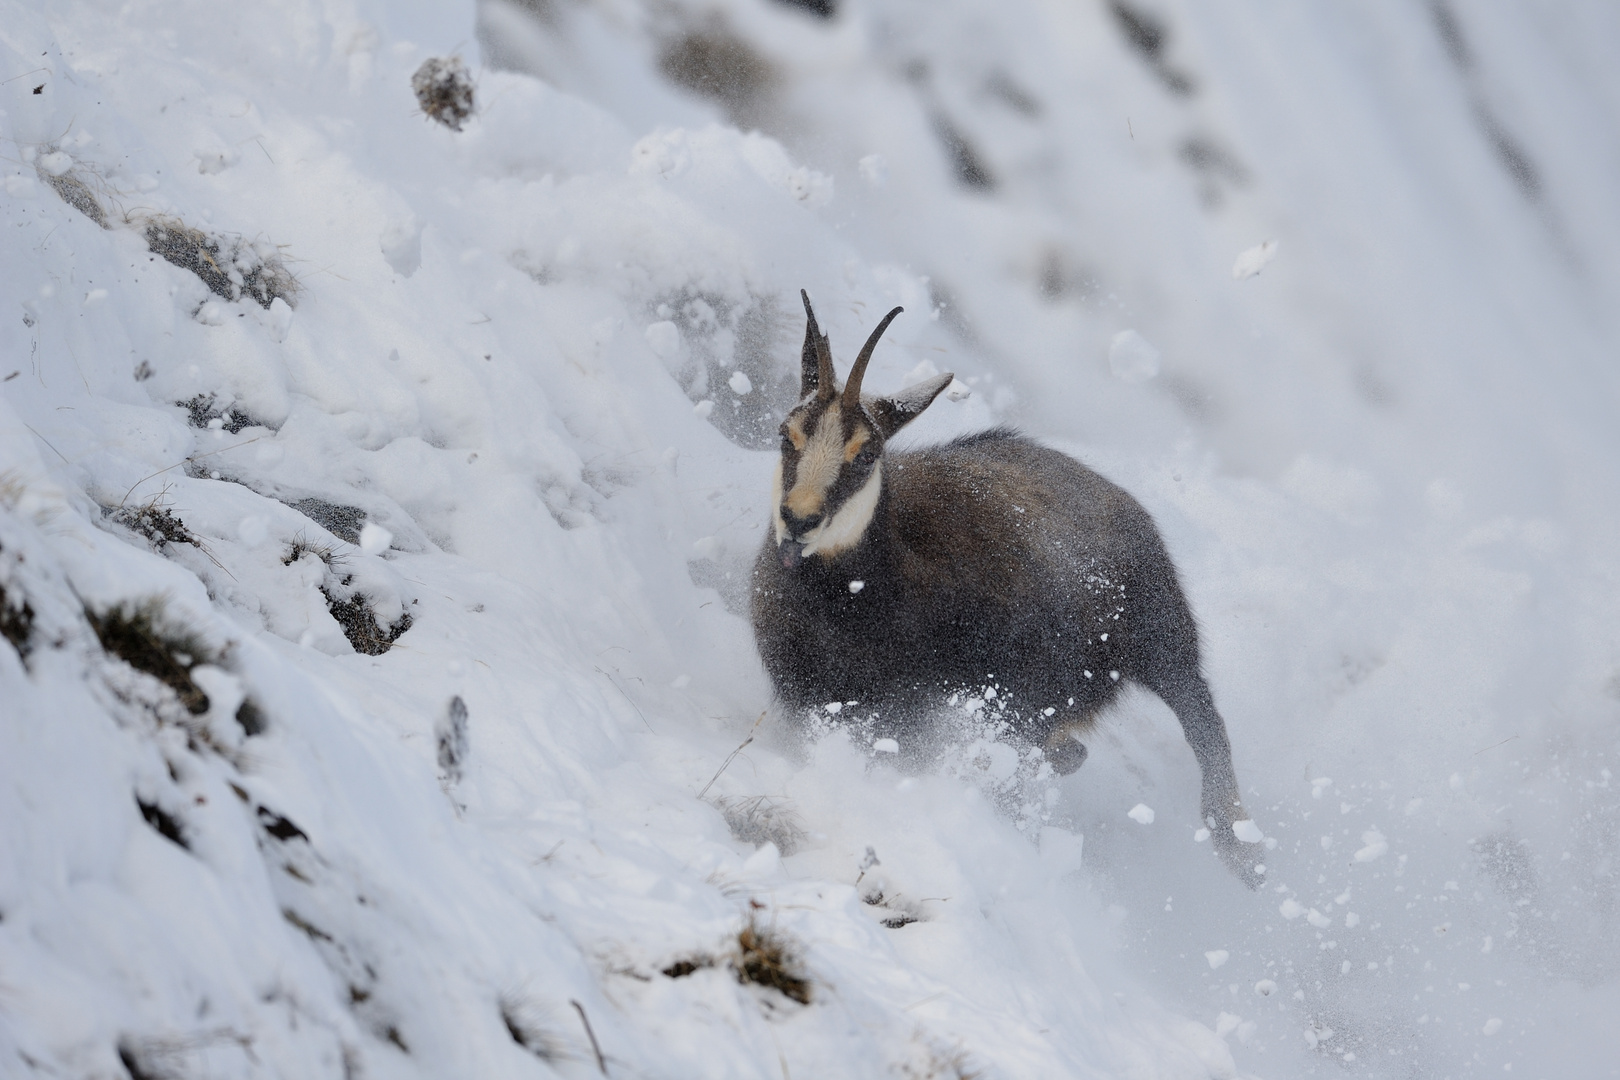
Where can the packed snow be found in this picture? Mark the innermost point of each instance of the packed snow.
(388, 394)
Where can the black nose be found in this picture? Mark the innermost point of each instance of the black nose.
(796, 525)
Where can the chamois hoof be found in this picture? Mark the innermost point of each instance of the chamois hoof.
(1244, 862)
(1067, 756)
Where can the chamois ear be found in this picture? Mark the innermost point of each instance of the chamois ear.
(894, 413)
(815, 362)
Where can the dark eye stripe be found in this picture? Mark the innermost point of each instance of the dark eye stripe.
(850, 479)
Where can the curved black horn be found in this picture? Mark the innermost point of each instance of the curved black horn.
(815, 363)
(852, 389)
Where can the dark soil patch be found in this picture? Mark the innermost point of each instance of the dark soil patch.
(77, 194)
(680, 969)
(451, 735)
(17, 623)
(279, 827)
(204, 409)
(167, 825)
(231, 267)
(343, 522)
(252, 719)
(359, 622)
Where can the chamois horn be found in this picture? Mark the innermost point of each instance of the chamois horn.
(816, 365)
(852, 389)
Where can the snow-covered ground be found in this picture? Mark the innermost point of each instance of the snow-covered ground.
(512, 402)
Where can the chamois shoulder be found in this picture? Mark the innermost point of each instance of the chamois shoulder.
(1006, 492)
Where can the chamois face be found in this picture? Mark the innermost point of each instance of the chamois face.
(827, 481)
(830, 476)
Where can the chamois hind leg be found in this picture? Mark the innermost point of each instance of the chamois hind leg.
(1164, 658)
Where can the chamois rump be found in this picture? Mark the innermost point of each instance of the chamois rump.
(896, 579)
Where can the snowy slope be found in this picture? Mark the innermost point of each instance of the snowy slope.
(1386, 465)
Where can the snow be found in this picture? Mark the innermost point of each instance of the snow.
(1247, 831)
(1253, 260)
(1374, 846)
(1141, 813)
(374, 539)
(526, 393)
(1132, 358)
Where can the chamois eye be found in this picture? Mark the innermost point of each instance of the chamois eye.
(787, 444)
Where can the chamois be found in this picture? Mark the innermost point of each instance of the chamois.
(896, 579)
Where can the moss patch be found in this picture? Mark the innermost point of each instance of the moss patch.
(140, 636)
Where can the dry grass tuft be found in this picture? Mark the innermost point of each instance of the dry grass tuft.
(444, 89)
(12, 488)
(763, 819)
(231, 267)
(534, 1027)
(176, 1057)
(767, 957)
(941, 1062)
(157, 523)
(303, 545)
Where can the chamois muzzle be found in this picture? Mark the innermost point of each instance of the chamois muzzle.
(796, 528)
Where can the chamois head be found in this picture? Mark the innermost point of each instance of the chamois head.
(830, 476)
